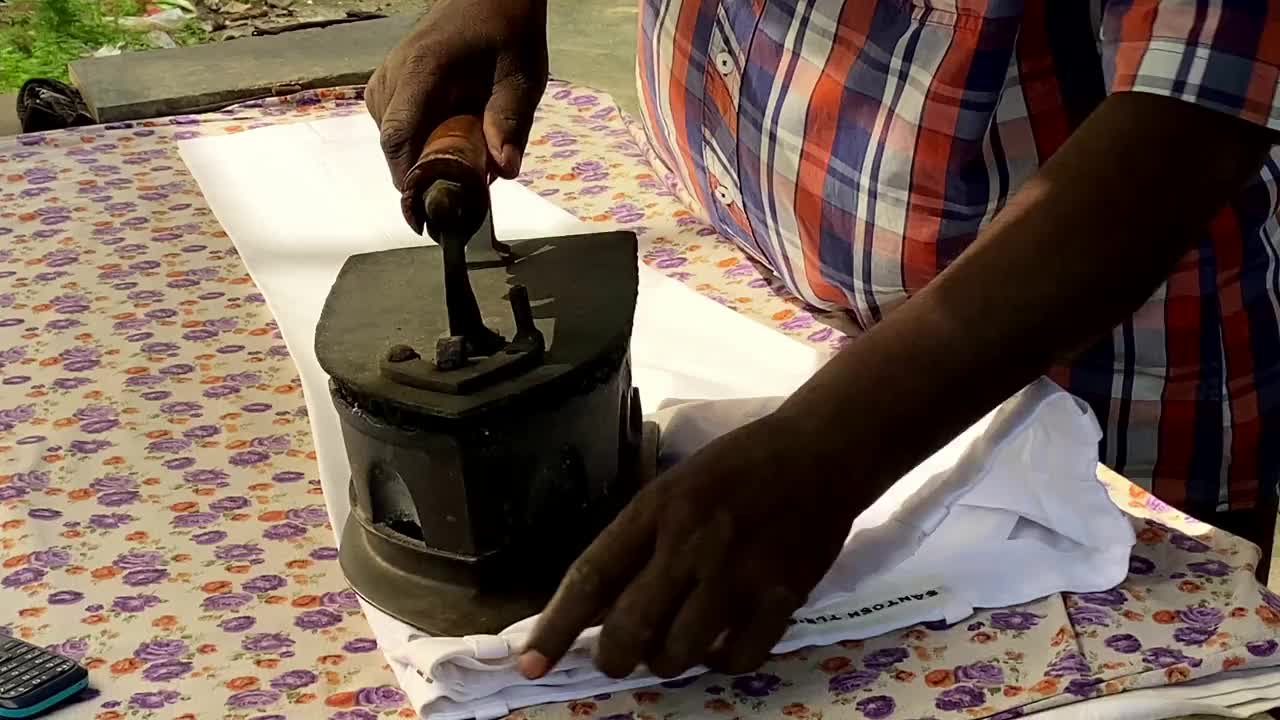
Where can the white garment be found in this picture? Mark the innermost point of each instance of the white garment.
(1017, 490)
(298, 199)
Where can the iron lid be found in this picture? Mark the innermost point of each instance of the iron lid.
(582, 289)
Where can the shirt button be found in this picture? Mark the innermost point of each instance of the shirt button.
(724, 194)
(724, 63)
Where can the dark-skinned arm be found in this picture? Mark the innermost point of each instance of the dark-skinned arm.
(1075, 252)
(707, 562)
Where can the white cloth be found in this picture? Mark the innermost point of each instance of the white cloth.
(297, 200)
(1017, 490)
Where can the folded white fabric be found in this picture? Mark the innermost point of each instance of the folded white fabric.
(1238, 694)
(1017, 490)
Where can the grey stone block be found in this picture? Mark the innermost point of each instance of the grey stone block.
(156, 83)
(9, 115)
(591, 42)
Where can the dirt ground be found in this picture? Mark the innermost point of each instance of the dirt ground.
(217, 20)
(329, 8)
(230, 19)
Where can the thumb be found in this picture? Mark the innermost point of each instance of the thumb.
(508, 116)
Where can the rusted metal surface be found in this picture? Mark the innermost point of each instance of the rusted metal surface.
(479, 472)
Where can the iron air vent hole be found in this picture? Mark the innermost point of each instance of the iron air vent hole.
(391, 503)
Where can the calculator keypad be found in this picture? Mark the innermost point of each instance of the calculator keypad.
(24, 668)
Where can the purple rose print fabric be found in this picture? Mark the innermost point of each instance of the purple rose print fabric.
(161, 518)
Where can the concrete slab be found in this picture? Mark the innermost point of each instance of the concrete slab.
(9, 115)
(594, 42)
(156, 83)
(591, 42)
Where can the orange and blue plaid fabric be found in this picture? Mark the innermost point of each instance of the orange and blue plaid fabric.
(856, 147)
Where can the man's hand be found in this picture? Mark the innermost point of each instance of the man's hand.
(706, 564)
(709, 561)
(465, 57)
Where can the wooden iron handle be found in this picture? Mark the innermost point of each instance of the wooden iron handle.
(447, 190)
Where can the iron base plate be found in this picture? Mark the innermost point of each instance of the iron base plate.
(447, 609)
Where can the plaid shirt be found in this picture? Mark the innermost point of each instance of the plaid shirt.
(856, 148)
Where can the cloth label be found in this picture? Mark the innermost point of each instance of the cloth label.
(888, 609)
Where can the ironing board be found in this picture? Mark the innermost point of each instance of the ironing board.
(160, 517)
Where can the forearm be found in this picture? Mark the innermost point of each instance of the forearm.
(1072, 255)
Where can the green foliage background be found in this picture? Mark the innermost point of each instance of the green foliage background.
(39, 37)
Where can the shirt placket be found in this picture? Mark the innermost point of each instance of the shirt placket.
(723, 80)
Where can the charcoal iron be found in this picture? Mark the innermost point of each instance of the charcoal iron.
(485, 397)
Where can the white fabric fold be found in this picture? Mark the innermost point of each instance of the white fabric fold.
(298, 200)
(1017, 490)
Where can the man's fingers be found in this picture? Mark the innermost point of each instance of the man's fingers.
(591, 585)
(747, 645)
(639, 619)
(704, 559)
(704, 616)
(375, 94)
(399, 136)
(508, 117)
(420, 103)
(692, 552)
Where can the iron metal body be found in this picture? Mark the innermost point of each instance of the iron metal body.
(488, 414)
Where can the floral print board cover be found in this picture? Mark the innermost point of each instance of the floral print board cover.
(160, 516)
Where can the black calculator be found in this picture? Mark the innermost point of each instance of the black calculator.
(33, 680)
